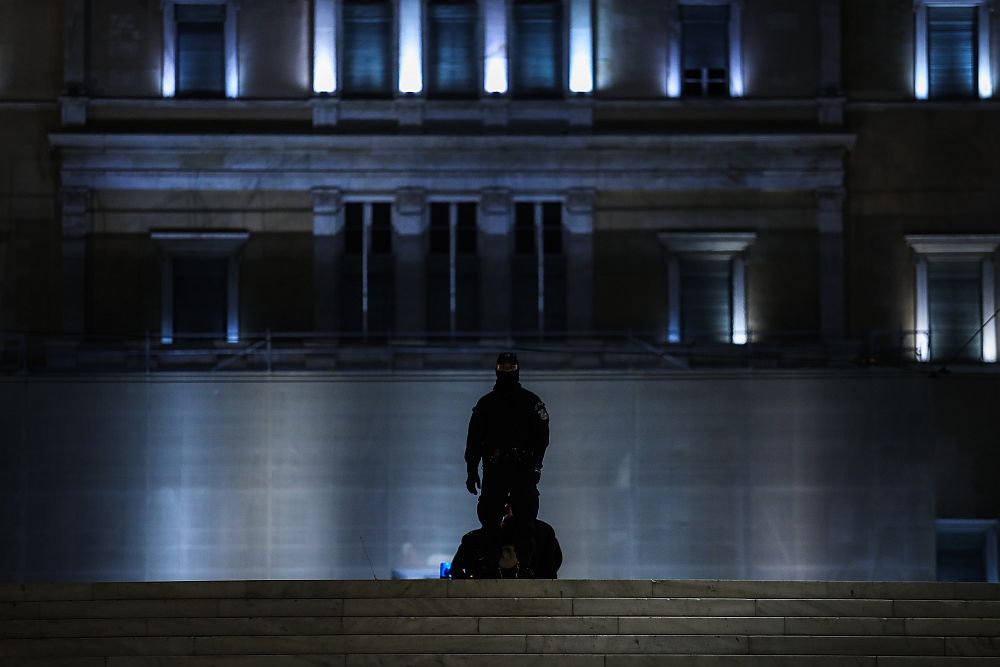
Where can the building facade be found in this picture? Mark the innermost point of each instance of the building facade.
(326, 186)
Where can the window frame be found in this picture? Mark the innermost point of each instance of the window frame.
(367, 220)
(392, 57)
(731, 246)
(226, 245)
(512, 46)
(988, 528)
(921, 65)
(971, 247)
(539, 254)
(479, 37)
(453, 254)
(675, 75)
(169, 71)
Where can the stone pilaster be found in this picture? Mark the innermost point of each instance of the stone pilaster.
(73, 102)
(409, 249)
(75, 226)
(830, 221)
(496, 250)
(328, 248)
(831, 98)
(578, 221)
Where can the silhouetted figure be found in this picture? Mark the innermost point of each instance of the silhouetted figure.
(508, 432)
(473, 559)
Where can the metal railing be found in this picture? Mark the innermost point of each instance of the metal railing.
(51, 353)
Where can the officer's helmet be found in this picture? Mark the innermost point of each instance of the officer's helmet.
(507, 363)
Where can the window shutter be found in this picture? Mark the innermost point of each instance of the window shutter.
(539, 52)
(453, 61)
(201, 50)
(955, 293)
(952, 47)
(706, 311)
(367, 28)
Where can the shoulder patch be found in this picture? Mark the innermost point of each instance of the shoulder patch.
(541, 412)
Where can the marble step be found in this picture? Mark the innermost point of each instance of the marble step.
(505, 660)
(541, 589)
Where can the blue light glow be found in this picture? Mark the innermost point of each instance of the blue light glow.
(581, 50)
(411, 79)
(324, 48)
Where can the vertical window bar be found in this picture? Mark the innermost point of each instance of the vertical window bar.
(740, 333)
(540, 255)
(324, 47)
(452, 268)
(673, 300)
(366, 240)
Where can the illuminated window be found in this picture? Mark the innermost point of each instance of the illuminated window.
(955, 305)
(952, 49)
(199, 49)
(367, 49)
(453, 269)
(705, 50)
(453, 66)
(706, 287)
(367, 282)
(538, 49)
(539, 271)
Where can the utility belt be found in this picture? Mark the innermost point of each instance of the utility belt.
(512, 456)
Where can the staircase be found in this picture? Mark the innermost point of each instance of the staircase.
(499, 623)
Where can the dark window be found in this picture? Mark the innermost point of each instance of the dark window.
(200, 288)
(955, 293)
(952, 49)
(539, 282)
(354, 228)
(453, 270)
(440, 229)
(367, 30)
(538, 53)
(524, 228)
(467, 232)
(552, 232)
(453, 63)
(367, 287)
(201, 48)
(706, 310)
(705, 50)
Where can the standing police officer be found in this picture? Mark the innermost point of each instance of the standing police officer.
(509, 432)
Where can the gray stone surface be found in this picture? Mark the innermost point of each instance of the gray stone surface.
(232, 661)
(974, 646)
(947, 608)
(129, 608)
(413, 625)
(738, 661)
(52, 662)
(847, 645)
(475, 661)
(821, 625)
(93, 647)
(535, 625)
(701, 625)
(460, 607)
(962, 627)
(608, 644)
(276, 607)
(662, 607)
(348, 644)
(877, 608)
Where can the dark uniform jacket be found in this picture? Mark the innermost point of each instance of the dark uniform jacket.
(470, 563)
(509, 424)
